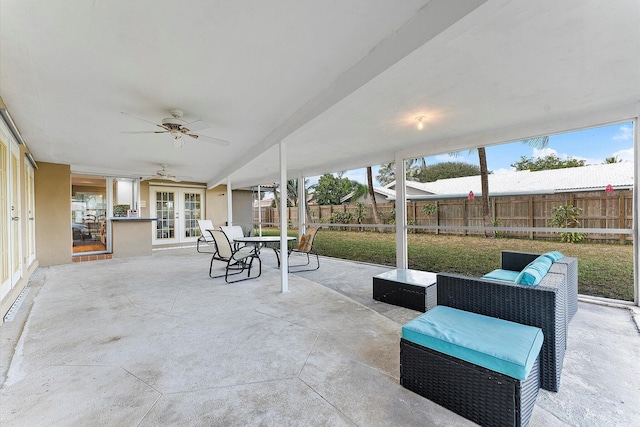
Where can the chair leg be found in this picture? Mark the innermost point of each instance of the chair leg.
(308, 263)
(242, 265)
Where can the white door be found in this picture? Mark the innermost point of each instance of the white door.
(10, 216)
(5, 219)
(16, 215)
(177, 211)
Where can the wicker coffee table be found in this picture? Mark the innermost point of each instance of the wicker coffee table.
(407, 288)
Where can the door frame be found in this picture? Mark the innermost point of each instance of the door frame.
(179, 211)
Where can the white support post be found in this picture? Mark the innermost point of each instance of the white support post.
(284, 259)
(302, 206)
(402, 259)
(229, 203)
(636, 214)
(259, 213)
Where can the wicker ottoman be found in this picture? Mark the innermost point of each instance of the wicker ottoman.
(481, 394)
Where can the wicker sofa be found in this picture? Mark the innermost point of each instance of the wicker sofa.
(544, 305)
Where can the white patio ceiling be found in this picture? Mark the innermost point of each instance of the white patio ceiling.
(340, 81)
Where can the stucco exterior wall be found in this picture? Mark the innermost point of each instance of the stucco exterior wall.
(53, 214)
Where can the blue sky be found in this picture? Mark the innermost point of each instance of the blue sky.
(592, 145)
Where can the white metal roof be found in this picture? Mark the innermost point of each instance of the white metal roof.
(586, 178)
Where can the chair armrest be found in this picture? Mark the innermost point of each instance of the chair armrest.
(542, 306)
(516, 261)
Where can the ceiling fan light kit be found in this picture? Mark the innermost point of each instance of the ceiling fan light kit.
(177, 127)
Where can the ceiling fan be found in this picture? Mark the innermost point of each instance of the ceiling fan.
(165, 174)
(178, 128)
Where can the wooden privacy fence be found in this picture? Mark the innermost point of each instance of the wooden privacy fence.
(599, 210)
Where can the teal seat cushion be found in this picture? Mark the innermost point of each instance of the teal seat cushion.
(533, 273)
(554, 255)
(499, 345)
(504, 275)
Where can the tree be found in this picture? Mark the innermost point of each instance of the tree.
(546, 163)
(372, 197)
(387, 171)
(330, 189)
(610, 160)
(446, 170)
(539, 142)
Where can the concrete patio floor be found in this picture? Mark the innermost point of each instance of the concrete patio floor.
(154, 341)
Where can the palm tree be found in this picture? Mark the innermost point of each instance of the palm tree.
(610, 160)
(539, 142)
(372, 197)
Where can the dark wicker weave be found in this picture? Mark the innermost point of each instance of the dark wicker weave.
(516, 261)
(484, 396)
(542, 306)
(416, 297)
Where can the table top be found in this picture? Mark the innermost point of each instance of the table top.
(261, 239)
(412, 277)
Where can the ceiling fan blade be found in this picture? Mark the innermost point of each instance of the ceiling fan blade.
(140, 118)
(197, 125)
(210, 139)
(144, 131)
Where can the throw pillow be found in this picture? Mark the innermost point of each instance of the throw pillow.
(533, 273)
(303, 242)
(554, 255)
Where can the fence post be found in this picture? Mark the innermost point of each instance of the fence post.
(437, 217)
(531, 216)
(621, 216)
(465, 220)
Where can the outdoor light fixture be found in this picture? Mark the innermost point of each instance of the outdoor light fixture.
(420, 124)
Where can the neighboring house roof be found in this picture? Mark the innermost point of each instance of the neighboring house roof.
(585, 178)
(347, 197)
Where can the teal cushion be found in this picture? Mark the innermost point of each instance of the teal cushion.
(499, 345)
(504, 275)
(533, 273)
(554, 255)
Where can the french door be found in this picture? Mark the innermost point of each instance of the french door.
(10, 215)
(177, 211)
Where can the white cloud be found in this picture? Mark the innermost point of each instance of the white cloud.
(625, 134)
(544, 152)
(503, 171)
(624, 155)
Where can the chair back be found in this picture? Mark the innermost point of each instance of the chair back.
(232, 231)
(205, 225)
(223, 244)
(306, 241)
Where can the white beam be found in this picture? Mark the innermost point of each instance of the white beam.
(284, 259)
(430, 21)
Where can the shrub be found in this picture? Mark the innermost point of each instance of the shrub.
(567, 217)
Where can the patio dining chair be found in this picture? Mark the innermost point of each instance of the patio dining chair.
(237, 260)
(305, 248)
(233, 232)
(206, 239)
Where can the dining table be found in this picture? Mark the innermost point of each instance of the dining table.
(260, 242)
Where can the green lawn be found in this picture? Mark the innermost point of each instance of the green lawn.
(604, 270)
